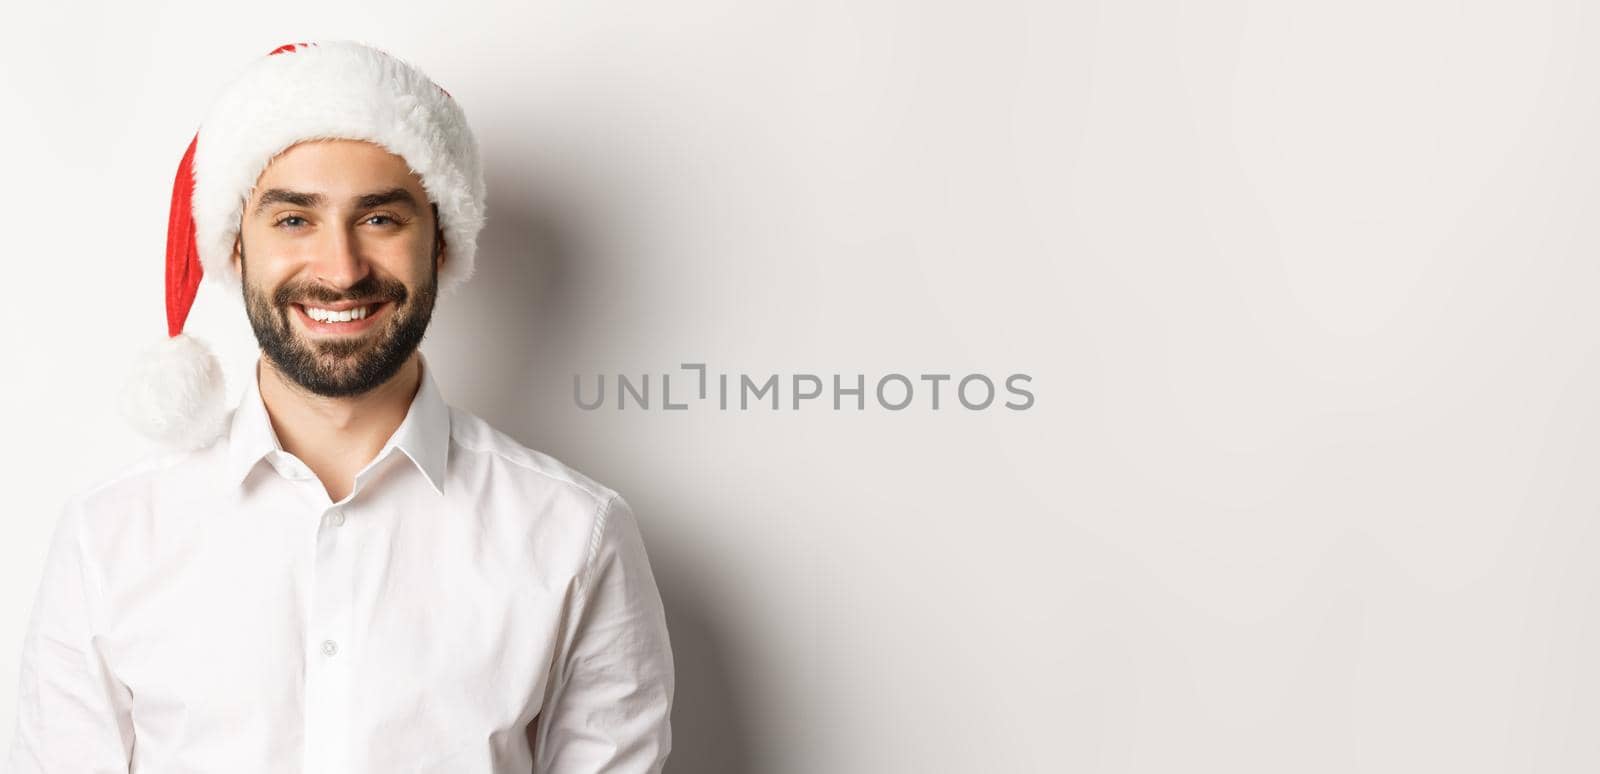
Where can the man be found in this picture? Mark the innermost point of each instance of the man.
(344, 574)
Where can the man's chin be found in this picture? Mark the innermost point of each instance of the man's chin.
(338, 348)
(340, 377)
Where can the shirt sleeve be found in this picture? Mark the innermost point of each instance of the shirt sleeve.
(72, 713)
(609, 705)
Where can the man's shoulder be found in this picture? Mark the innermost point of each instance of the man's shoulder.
(153, 476)
(489, 446)
(151, 466)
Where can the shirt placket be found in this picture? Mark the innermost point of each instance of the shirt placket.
(329, 644)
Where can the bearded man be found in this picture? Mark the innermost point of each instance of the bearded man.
(343, 573)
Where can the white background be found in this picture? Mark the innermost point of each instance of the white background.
(1307, 291)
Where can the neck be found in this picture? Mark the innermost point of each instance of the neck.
(337, 436)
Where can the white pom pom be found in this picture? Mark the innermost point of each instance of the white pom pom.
(174, 395)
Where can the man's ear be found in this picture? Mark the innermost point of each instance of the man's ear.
(441, 250)
(235, 258)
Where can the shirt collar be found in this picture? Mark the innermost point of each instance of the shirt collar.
(424, 435)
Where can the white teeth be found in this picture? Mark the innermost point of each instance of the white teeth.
(328, 315)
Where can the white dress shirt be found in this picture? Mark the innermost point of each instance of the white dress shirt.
(471, 607)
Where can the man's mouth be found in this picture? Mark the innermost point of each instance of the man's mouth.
(340, 318)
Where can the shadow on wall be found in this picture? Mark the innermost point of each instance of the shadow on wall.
(706, 732)
(515, 330)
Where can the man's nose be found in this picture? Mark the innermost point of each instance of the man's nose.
(339, 261)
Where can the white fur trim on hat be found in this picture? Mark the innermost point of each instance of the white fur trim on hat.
(345, 90)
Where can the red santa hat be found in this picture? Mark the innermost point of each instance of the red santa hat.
(299, 91)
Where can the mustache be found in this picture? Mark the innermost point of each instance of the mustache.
(369, 287)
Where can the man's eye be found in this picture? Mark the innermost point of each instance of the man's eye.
(381, 217)
(285, 221)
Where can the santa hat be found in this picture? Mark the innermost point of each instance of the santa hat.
(300, 91)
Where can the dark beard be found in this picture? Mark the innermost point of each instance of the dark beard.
(341, 368)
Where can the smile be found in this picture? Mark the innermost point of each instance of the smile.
(340, 321)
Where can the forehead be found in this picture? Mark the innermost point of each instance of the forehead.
(339, 167)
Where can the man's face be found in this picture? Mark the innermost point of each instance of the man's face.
(339, 229)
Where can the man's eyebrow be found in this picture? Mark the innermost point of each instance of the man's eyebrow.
(277, 195)
(392, 196)
(364, 201)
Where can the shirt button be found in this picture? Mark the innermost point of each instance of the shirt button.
(336, 518)
(329, 647)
